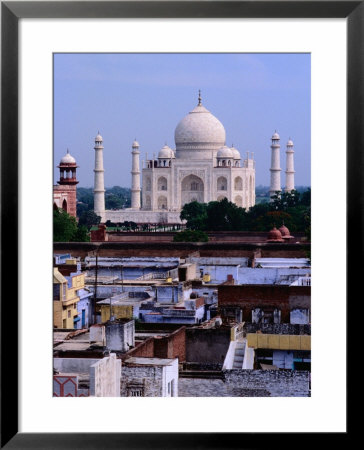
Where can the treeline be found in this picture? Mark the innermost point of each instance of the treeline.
(115, 198)
(292, 208)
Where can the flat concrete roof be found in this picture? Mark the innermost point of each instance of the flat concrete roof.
(73, 345)
(148, 361)
(145, 334)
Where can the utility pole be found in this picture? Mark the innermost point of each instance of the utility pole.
(95, 286)
(122, 278)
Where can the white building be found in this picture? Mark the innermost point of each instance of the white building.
(201, 168)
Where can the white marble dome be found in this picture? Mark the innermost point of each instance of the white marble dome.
(166, 152)
(199, 130)
(235, 152)
(135, 144)
(68, 159)
(98, 138)
(225, 152)
(275, 135)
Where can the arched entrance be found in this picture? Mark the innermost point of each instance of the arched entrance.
(64, 205)
(192, 189)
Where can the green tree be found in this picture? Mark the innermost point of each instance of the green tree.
(89, 218)
(191, 236)
(113, 202)
(225, 216)
(306, 198)
(81, 235)
(86, 196)
(64, 226)
(283, 200)
(195, 214)
(273, 218)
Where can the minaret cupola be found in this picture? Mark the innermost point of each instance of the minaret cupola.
(67, 170)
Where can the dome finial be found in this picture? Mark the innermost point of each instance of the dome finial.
(199, 98)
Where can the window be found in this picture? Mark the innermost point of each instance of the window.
(136, 393)
(69, 313)
(56, 292)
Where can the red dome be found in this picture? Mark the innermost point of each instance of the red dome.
(284, 231)
(274, 235)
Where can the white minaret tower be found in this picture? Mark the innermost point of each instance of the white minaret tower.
(289, 167)
(275, 170)
(135, 177)
(99, 188)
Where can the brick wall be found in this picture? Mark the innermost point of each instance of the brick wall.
(172, 346)
(200, 301)
(217, 236)
(183, 250)
(248, 383)
(248, 297)
(147, 378)
(99, 234)
(208, 345)
(69, 193)
(144, 350)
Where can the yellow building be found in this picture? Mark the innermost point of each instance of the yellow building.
(65, 299)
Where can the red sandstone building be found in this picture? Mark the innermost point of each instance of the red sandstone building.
(64, 195)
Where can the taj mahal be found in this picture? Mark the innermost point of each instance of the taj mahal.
(201, 168)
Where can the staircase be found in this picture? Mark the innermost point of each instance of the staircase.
(239, 355)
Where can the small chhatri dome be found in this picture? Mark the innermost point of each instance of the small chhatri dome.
(286, 235)
(275, 135)
(135, 144)
(225, 152)
(68, 159)
(284, 230)
(166, 152)
(235, 152)
(274, 235)
(290, 143)
(98, 138)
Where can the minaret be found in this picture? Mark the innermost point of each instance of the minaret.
(275, 170)
(289, 167)
(99, 188)
(135, 177)
(67, 182)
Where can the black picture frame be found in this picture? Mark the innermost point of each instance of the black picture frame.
(11, 12)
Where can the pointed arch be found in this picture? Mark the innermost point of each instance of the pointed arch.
(238, 184)
(221, 184)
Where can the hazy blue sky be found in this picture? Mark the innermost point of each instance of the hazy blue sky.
(144, 96)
